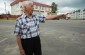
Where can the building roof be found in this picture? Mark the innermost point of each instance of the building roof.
(35, 3)
(40, 4)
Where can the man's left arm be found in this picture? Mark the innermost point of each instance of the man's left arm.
(50, 17)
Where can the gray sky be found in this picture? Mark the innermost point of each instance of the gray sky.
(64, 6)
(66, 3)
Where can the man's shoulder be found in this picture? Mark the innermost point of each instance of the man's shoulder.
(21, 16)
(34, 15)
(18, 18)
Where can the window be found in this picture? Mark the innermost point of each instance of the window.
(36, 7)
(42, 8)
(17, 5)
(84, 10)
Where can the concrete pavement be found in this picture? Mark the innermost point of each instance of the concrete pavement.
(58, 37)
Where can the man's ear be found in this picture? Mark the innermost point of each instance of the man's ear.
(21, 8)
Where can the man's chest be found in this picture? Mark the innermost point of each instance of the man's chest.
(29, 23)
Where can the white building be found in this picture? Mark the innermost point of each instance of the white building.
(39, 8)
(78, 14)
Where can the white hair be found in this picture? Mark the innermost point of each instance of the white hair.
(27, 2)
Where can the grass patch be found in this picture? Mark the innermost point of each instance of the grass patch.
(8, 19)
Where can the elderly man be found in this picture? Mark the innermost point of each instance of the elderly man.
(27, 30)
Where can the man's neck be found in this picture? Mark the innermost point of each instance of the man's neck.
(28, 14)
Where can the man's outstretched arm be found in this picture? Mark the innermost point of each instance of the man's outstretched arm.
(50, 17)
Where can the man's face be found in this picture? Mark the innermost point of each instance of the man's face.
(29, 8)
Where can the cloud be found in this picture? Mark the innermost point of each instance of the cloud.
(6, 0)
(2, 7)
(66, 10)
(71, 3)
(65, 6)
(2, 10)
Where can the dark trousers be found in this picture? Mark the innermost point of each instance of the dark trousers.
(32, 46)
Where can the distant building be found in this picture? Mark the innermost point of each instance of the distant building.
(78, 14)
(39, 8)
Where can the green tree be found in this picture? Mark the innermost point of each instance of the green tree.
(54, 7)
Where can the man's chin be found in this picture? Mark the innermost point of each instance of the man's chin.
(31, 13)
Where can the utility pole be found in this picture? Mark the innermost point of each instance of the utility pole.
(5, 7)
(6, 11)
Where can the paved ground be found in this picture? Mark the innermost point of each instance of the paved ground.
(58, 37)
